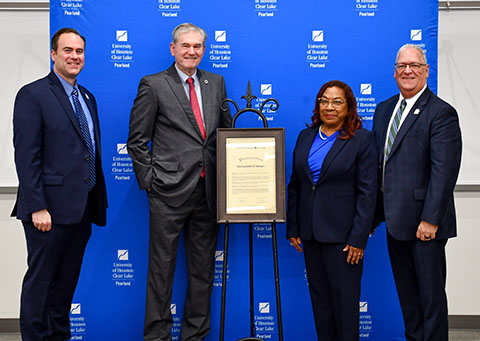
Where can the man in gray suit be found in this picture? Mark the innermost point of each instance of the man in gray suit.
(172, 142)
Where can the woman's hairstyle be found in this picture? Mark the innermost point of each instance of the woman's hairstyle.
(352, 120)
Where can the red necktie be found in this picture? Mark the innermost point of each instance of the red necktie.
(196, 107)
(197, 113)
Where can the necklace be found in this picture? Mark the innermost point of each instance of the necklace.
(320, 133)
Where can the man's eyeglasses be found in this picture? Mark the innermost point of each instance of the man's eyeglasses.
(413, 66)
(335, 102)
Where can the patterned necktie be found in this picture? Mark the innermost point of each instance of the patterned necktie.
(196, 107)
(82, 120)
(392, 133)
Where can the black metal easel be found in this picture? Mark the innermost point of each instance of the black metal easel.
(224, 106)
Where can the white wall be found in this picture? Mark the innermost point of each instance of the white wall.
(463, 275)
(458, 75)
(24, 38)
(458, 84)
(13, 259)
(25, 35)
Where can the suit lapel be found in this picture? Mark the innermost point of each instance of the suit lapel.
(176, 85)
(331, 155)
(305, 151)
(412, 116)
(384, 126)
(62, 97)
(93, 115)
(206, 98)
(90, 106)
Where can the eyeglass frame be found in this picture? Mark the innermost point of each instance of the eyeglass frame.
(326, 102)
(413, 66)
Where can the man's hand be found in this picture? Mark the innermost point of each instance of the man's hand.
(42, 220)
(426, 231)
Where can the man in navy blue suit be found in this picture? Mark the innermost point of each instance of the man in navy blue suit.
(419, 142)
(61, 189)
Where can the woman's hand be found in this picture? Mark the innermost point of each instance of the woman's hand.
(296, 243)
(355, 254)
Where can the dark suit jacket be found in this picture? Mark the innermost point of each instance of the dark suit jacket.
(51, 156)
(162, 115)
(422, 169)
(339, 207)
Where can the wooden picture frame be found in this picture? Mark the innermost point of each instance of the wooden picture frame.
(251, 175)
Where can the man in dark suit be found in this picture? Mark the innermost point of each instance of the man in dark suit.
(61, 189)
(419, 142)
(172, 142)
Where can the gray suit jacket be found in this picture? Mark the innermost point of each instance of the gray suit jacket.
(164, 141)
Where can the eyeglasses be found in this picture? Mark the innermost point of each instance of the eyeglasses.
(413, 66)
(337, 103)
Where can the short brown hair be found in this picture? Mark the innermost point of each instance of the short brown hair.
(56, 36)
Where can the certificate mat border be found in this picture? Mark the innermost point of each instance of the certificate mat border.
(279, 135)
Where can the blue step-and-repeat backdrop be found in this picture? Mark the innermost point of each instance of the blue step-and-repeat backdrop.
(287, 49)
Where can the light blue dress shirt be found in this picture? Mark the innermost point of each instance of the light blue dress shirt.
(68, 89)
(196, 85)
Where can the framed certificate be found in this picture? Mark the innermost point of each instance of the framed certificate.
(250, 175)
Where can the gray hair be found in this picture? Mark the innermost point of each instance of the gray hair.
(416, 47)
(187, 27)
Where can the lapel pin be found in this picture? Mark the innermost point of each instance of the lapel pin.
(86, 95)
(416, 112)
(206, 81)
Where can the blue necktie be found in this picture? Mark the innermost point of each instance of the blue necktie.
(392, 133)
(82, 120)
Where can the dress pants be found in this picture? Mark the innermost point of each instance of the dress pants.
(54, 262)
(200, 235)
(334, 290)
(419, 269)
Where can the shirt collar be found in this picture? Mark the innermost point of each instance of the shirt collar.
(66, 85)
(184, 76)
(412, 100)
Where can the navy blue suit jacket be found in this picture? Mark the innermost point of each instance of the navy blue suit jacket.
(51, 156)
(339, 208)
(422, 169)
